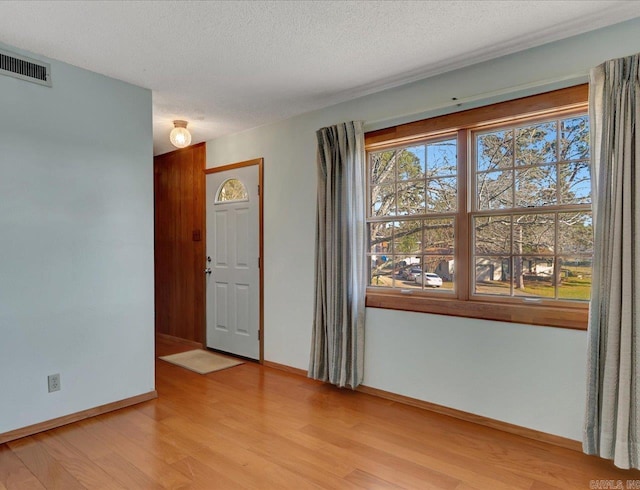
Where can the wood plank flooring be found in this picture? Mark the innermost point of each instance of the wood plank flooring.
(260, 428)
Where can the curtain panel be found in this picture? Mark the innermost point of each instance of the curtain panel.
(613, 368)
(337, 349)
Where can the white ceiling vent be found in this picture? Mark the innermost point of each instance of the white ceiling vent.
(17, 66)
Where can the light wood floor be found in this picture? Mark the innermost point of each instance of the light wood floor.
(256, 427)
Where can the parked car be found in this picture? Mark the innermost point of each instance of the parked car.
(430, 279)
(405, 274)
(401, 273)
(410, 273)
(415, 273)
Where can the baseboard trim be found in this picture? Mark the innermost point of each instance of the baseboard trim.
(75, 417)
(171, 338)
(452, 412)
(476, 419)
(284, 367)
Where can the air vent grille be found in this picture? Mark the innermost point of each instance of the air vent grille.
(15, 65)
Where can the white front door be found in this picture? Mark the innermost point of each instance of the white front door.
(233, 269)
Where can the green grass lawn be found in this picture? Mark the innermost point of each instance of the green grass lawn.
(570, 288)
(574, 288)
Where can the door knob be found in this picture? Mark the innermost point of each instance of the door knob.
(207, 270)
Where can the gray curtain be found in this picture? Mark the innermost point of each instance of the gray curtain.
(612, 415)
(337, 348)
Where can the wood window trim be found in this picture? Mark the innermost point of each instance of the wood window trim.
(549, 316)
(535, 105)
(461, 304)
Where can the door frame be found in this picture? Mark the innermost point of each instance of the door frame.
(248, 163)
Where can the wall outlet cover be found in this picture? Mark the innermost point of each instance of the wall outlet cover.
(54, 382)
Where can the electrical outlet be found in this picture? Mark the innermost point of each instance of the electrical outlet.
(54, 382)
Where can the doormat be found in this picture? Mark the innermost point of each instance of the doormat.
(201, 361)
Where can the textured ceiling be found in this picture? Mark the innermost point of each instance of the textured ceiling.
(227, 66)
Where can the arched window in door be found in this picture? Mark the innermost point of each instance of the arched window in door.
(231, 190)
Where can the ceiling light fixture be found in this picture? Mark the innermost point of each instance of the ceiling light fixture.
(180, 136)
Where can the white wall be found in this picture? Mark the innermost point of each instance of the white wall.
(76, 244)
(525, 375)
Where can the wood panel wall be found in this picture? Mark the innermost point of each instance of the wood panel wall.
(179, 186)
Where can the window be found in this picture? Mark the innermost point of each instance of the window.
(413, 195)
(485, 213)
(532, 210)
(232, 190)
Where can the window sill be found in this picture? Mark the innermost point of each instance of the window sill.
(551, 316)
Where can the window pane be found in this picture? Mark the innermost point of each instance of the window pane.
(575, 233)
(442, 158)
(380, 238)
(437, 272)
(380, 271)
(408, 267)
(533, 276)
(411, 198)
(536, 144)
(438, 236)
(536, 186)
(574, 281)
(411, 163)
(575, 183)
(382, 166)
(232, 190)
(494, 150)
(574, 142)
(408, 237)
(533, 234)
(383, 200)
(442, 195)
(493, 235)
(493, 276)
(494, 190)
